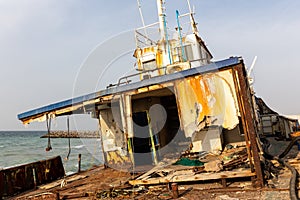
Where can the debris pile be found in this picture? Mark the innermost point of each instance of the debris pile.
(201, 166)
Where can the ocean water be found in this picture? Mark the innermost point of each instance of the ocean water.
(21, 147)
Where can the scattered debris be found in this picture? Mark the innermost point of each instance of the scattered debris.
(226, 197)
(213, 166)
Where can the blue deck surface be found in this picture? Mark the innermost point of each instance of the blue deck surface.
(215, 66)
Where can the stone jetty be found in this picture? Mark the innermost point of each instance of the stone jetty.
(73, 134)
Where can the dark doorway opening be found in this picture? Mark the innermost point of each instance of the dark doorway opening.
(156, 126)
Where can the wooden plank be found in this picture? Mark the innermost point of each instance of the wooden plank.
(59, 182)
(160, 167)
(188, 177)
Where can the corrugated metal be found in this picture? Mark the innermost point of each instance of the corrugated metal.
(37, 113)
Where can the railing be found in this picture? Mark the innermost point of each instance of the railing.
(125, 79)
(138, 74)
(148, 35)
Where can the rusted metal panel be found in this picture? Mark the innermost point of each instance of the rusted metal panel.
(25, 177)
(209, 98)
(248, 120)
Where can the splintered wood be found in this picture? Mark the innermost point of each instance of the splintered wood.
(229, 159)
(189, 175)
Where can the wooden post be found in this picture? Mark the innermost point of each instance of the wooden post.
(224, 182)
(249, 122)
(79, 163)
(175, 193)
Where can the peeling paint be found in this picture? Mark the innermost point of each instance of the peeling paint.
(209, 98)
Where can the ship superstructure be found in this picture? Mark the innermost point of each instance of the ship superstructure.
(183, 104)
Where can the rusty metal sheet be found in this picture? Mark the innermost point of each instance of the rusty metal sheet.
(209, 98)
(26, 177)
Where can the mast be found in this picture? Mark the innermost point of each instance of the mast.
(193, 23)
(163, 28)
(162, 19)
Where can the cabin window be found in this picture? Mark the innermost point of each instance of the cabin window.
(149, 61)
(188, 53)
(149, 65)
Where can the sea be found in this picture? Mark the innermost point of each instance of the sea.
(21, 147)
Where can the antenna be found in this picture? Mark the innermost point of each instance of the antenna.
(251, 80)
(194, 27)
(252, 66)
(142, 18)
(141, 13)
(189, 4)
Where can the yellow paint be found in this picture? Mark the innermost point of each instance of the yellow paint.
(210, 96)
(155, 87)
(142, 90)
(139, 53)
(114, 158)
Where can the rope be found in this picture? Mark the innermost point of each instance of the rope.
(68, 126)
(48, 122)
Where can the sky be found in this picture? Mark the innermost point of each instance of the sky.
(45, 46)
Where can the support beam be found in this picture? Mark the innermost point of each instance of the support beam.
(249, 121)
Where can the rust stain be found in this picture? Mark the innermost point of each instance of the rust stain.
(204, 96)
(25, 177)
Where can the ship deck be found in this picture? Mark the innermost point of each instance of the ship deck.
(101, 183)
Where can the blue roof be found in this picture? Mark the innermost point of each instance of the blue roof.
(215, 66)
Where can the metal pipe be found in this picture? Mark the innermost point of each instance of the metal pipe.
(167, 42)
(69, 139)
(163, 27)
(161, 17)
(293, 180)
(48, 123)
(180, 36)
(193, 24)
(287, 150)
(147, 26)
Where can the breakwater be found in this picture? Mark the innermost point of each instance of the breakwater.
(73, 134)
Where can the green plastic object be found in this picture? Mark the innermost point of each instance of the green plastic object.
(189, 162)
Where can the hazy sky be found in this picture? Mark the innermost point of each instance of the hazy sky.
(43, 44)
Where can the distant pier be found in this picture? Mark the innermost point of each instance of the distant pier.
(73, 134)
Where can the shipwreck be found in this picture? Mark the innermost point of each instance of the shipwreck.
(185, 108)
